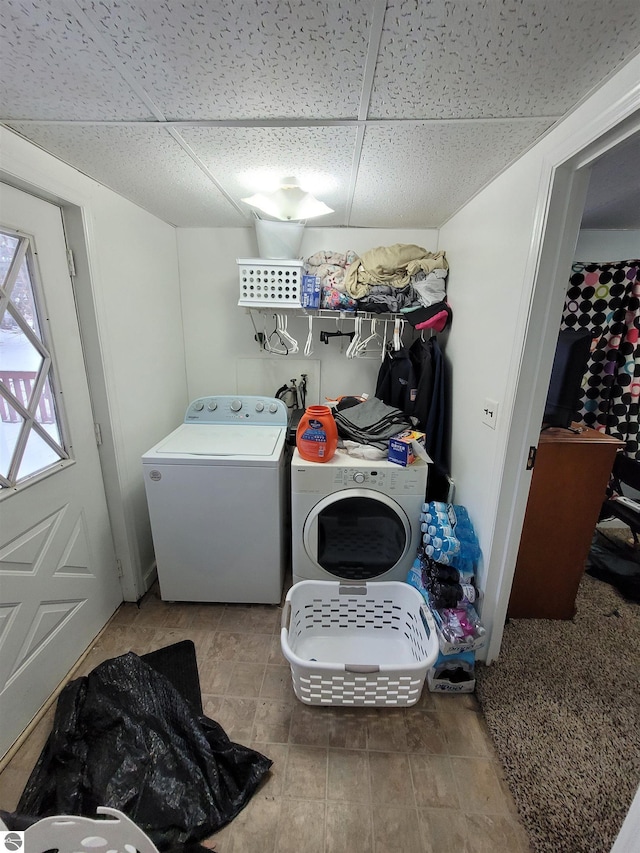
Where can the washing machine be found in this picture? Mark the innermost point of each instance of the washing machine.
(354, 519)
(217, 496)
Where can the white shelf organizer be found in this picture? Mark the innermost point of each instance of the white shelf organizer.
(270, 284)
(274, 287)
(278, 284)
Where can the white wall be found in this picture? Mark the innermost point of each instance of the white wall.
(141, 324)
(487, 247)
(497, 246)
(219, 334)
(129, 301)
(603, 246)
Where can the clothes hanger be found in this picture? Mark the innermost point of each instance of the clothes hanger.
(397, 343)
(290, 342)
(385, 344)
(274, 342)
(259, 337)
(364, 345)
(324, 335)
(352, 349)
(308, 347)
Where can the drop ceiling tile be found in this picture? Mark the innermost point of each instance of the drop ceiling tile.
(53, 69)
(417, 176)
(142, 163)
(498, 58)
(241, 58)
(244, 159)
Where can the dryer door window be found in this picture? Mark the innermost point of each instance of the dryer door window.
(357, 535)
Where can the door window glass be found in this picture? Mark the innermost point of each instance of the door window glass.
(359, 538)
(30, 432)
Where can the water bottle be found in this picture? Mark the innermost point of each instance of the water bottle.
(465, 565)
(436, 508)
(443, 544)
(463, 530)
(462, 524)
(437, 529)
(445, 557)
(451, 514)
(469, 549)
(435, 517)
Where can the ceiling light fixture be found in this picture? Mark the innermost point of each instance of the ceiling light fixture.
(288, 202)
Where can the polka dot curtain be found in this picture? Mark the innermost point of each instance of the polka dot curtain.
(605, 298)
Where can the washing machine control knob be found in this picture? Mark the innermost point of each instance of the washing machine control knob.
(212, 406)
(358, 478)
(273, 408)
(199, 406)
(235, 406)
(259, 407)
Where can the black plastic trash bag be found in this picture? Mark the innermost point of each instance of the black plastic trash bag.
(614, 564)
(124, 737)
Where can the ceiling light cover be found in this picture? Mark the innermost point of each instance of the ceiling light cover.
(289, 202)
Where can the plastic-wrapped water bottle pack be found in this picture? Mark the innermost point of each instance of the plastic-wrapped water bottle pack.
(444, 571)
(448, 536)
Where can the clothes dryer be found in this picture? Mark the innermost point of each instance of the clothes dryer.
(216, 492)
(354, 519)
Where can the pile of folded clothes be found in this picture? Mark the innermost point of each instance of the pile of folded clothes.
(371, 422)
(394, 266)
(331, 269)
(403, 278)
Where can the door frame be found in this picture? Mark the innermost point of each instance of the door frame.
(563, 185)
(79, 235)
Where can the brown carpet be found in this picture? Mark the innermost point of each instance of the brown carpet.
(562, 704)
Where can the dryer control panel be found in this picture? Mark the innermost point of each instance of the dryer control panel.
(345, 472)
(386, 477)
(259, 411)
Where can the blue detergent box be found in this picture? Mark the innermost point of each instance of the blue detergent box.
(310, 291)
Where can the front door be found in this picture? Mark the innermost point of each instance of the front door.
(58, 575)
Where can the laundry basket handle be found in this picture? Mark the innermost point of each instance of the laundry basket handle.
(361, 667)
(352, 589)
(286, 615)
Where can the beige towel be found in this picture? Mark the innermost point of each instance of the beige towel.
(392, 265)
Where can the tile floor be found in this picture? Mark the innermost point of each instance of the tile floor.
(423, 779)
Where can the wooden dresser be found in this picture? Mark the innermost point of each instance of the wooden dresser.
(568, 487)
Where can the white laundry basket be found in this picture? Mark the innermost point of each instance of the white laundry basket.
(357, 644)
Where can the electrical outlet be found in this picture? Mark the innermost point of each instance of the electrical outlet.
(490, 413)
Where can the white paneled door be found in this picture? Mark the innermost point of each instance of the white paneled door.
(58, 575)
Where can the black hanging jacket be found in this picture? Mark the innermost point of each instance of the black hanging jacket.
(396, 385)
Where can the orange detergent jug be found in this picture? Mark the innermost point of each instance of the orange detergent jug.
(317, 434)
